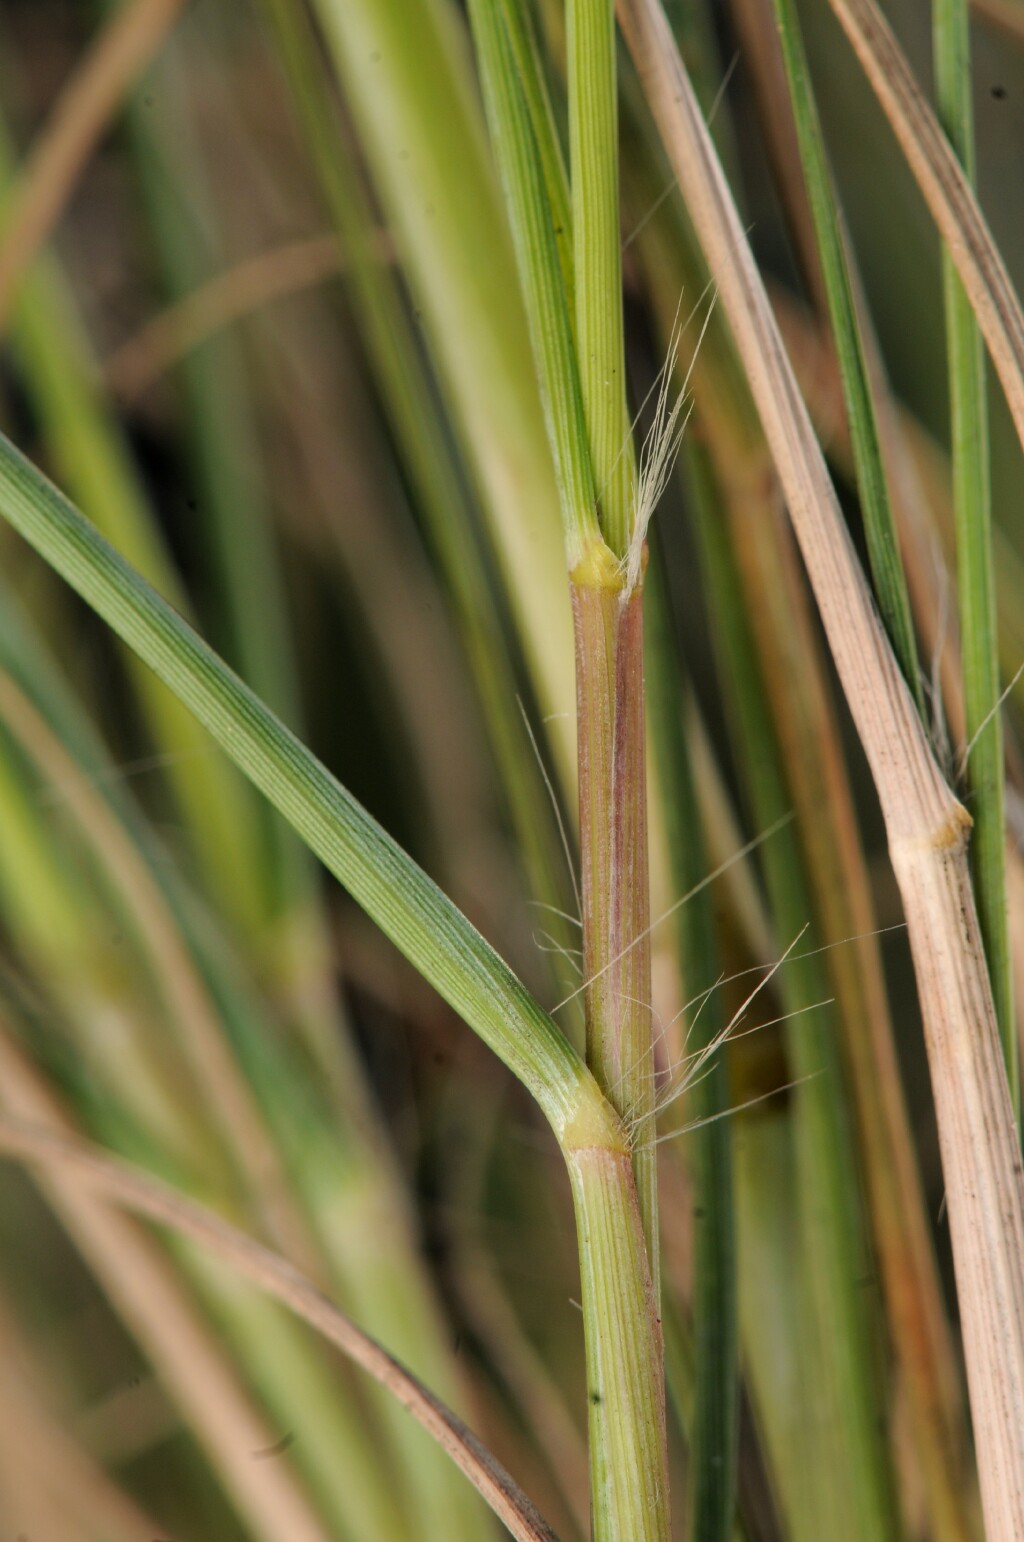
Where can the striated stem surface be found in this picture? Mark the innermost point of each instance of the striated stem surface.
(625, 1382)
(608, 622)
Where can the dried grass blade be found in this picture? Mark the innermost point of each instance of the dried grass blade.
(947, 193)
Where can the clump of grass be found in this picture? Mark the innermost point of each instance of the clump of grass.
(385, 344)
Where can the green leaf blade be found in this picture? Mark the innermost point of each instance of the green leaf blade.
(540, 275)
(407, 905)
(879, 524)
(972, 504)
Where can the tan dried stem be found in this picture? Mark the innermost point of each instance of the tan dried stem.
(924, 488)
(926, 826)
(87, 104)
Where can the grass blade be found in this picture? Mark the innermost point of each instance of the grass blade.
(540, 274)
(403, 69)
(976, 585)
(421, 921)
(842, 1385)
(597, 241)
(883, 544)
(947, 193)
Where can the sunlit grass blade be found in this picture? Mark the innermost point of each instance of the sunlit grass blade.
(442, 204)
